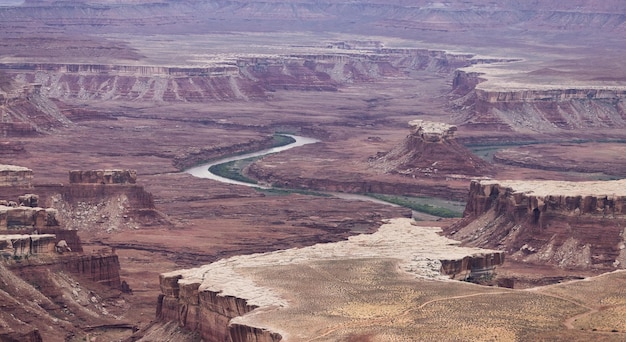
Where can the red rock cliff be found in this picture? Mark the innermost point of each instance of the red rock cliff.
(567, 224)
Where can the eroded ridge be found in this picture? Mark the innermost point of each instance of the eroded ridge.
(431, 150)
(567, 224)
(207, 298)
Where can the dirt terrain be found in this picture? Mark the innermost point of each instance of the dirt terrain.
(157, 87)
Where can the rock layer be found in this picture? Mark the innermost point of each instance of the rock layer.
(503, 105)
(568, 224)
(103, 177)
(15, 176)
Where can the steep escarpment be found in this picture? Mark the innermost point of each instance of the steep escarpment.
(25, 110)
(537, 107)
(39, 260)
(233, 78)
(576, 225)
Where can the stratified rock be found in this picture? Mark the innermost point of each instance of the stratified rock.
(216, 299)
(103, 177)
(430, 151)
(18, 218)
(28, 200)
(15, 176)
(511, 106)
(568, 224)
(19, 246)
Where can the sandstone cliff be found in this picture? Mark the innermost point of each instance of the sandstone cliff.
(578, 225)
(15, 176)
(366, 17)
(537, 107)
(25, 110)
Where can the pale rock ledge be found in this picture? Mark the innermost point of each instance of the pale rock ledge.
(217, 293)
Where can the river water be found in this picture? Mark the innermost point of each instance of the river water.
(202, 171)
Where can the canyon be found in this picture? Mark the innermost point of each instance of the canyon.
(511, 113)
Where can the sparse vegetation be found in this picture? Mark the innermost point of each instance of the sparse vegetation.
(281, 192)
(282, 140)
(416, 203)
(232, 170)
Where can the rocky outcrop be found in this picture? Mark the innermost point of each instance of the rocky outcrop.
(430, 151)
(472, 267)
(578, 225)
(19, 218)
(103, 177)
(100, 268)
(26, 111)
(216, 300)
(15, 176)
(21, 246)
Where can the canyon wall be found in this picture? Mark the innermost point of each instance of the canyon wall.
(100, 268)
(15, 176)
(233, 79)
(22, 246)
(576, 225)
(207, 312)
(537, 108)
(18, 218)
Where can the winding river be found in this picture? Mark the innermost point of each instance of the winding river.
(202, 171)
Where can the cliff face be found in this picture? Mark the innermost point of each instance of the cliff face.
(234, 79)
(567, 224)
(103, 177)
(15, 176)
(207, 312)
(538, 108)
(25, 110)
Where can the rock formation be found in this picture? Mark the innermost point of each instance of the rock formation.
(20, 246)
(21, 217)
(215, 299)
(15, 176)
(231, 79)
(504, 105)
(430, 151)
(25, 111)
(576, 225)
(103, 177)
